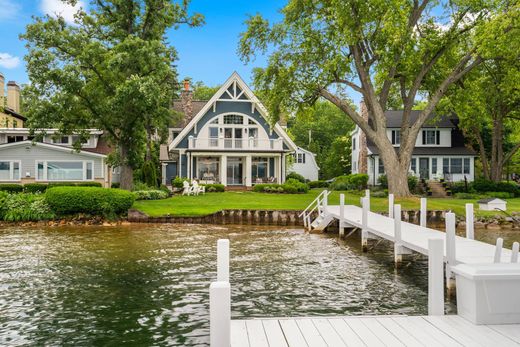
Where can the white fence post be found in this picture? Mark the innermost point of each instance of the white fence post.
(341, 214)
(364, 224)
(223, 260)
(514, 253)
(423, 212)
(325, 201)
(398, 258)
(470, 227)
(435, 277)
(391, 205)
(498, 250)
(367, 195)
(450, 249)
(220, 314)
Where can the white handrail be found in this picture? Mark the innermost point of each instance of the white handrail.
(312, 203)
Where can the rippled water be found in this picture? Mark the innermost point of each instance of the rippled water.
(148, 284)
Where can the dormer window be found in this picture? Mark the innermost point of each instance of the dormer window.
(396, 137)
(431, 137)
(233, 119)
(63, 140)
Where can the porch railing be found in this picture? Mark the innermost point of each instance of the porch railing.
(226, 143)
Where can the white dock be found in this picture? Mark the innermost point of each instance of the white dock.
(371, 331)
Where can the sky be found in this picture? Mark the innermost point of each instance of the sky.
(206, 53)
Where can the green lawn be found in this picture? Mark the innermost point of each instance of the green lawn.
(213, 202)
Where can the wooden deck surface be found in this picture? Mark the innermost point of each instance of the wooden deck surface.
(415, 237)
(432, 331)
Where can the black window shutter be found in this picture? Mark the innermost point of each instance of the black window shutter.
(424, 137)
(438, 134)
(393, 137)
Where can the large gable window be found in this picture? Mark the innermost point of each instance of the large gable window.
(65, 171)
(233, 119)
(9, 170)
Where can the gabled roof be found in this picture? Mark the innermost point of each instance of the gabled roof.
(394, 119)
(487, 200)
(196, 105)
(246, 95)
(50, 146)
(11, 112)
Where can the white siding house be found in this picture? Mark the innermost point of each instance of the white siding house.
(305, 164)
(439, 150)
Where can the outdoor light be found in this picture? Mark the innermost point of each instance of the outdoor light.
(27, 174)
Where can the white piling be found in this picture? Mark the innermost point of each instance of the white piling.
(498, 250)
(435, 277)
(391, 205)
(470, 231)
(450, 249)
(367, 195)
(223, 260)
(364, 224)
(220, 314)
(514, 253)
(422, 215)
(398, 258)
(341, 214)
(325, 201)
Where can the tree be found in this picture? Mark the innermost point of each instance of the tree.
(487, 102)
(373, 48)
(322, 129)
(111, 69)
(203, 92)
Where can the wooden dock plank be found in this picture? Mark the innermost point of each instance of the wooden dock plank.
(345, 331)
(486, 335)
(328, 333)
(462, 336)
(512, 331)
(310, 333)
(256, 333)
(239, 333)
(292, 333)
(381, 332)
(274, 333)
(425, 332)
(404, 336)
(365, 334)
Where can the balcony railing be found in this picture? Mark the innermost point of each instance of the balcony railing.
(225, 143)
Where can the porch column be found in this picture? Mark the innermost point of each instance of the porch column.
(188, 165)
(223, 170)
(163, 173)
(249, 171)
(283, 167)
(277, 169)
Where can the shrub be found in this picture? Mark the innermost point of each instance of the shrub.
(500, 195)
(153, 194)
(11, 187)
(149, 173)
(509, 187)
(319, 184)
(35, 188)
(3, 197)
(359, 181)
(383, 181)
(74, 184)
(25, 207)
(93, 201)
(466, 196)
(460, 187)
(178, 182)
(379, 194)
(412, 182)
(348, 182)
(137, 186)
(115, 185)
(296, 176)
(294, 186)
(214, 188)
(89, 184)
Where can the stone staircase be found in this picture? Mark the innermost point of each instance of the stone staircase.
(437, 189)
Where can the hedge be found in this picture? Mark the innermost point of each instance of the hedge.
(292, 186)
(319, 184)
(89, 200)
(353, 181)
(153, 194)
(35, 187)
(215, 187)
(295, 176)
(11, 187)
(75, 184)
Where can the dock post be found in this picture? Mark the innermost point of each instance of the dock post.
(220, 314)
(424, 211)
(470, 231)
(367, 195)
(498, 250)
(514, 253)
(364, 224)
(391, 205)
(435, 277)
(223, 260)
(341, 215)
(450, 251)
(398, 251)
(325, 201)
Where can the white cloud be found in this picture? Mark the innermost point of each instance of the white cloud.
(58, 8)
(8, 61)
(9, 9)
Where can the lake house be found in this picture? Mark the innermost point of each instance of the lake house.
(439, 149)
(227, 139)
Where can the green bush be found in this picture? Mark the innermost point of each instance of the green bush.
(500, 195)
(93, 201)
(25, 207)
(11, 187)
(318, 184)
(349, 182)
(466, 196)
(74, 184)
(484, 185)
(383, 181)
(149, 173)
(35, 187)
(214, 188)
(359, 181)
(88, 184)
(509, 187)
(412, 182)
(295, 176)
(154, 194)
(379, 194)
(115, 185)
(294, 186)
(178, 182)
(3, 197)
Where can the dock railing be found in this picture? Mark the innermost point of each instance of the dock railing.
(320, 200)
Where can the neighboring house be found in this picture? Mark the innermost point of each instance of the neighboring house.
(305, 164)
(227, 139)
(10, 116)
(439, 150)
(52, 158)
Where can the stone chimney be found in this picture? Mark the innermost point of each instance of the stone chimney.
(186, 101)
(2, 91)
(13, 96)
(363, 151)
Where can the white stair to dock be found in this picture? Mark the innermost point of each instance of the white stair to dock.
(322, 221)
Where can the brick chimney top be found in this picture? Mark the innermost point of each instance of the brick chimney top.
(186, 84)
(13, 83)
(186, 101)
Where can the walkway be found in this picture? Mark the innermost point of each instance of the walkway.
(371, 331)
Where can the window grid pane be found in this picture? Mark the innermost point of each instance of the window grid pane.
(57, 171)
(466, 165)
(5, 170)
(233, 119)
(456, 166)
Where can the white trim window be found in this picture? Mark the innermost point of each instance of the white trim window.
(10, 170)
(396, 137)
(431, 137)
(64, 170)
(300, 158)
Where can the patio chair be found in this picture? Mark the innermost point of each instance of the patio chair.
(186, 189)
(197, 189)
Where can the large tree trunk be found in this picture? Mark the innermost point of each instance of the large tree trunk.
(127, 172)
(396, 169)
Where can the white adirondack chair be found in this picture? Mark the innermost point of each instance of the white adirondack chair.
(197, 189)
(186, 189)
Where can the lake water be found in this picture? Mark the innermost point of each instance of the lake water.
(148, 285)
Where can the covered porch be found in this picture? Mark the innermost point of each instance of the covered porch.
(236, 169)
